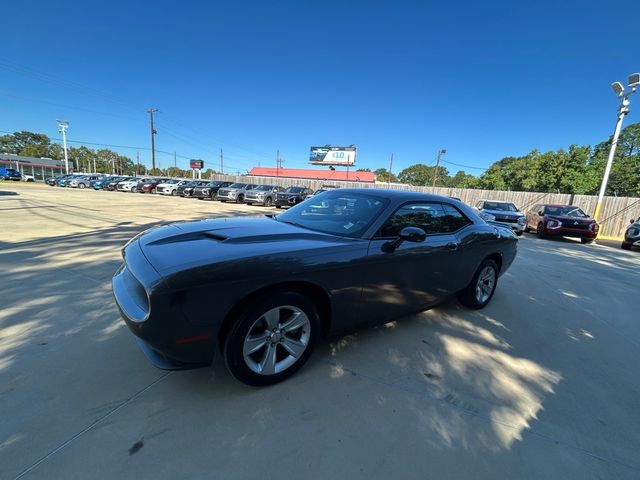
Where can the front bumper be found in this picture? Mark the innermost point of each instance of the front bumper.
(155, 317)
(570, 232)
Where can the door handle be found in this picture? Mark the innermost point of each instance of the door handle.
(452, 246)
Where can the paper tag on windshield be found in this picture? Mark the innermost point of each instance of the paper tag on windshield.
(348, 226)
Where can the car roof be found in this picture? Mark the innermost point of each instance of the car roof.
(495, 201)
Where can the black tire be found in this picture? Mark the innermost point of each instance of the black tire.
(540, 230)
(468, 297)
(268, 201)
(82, 185)
(519, 233)
(135, 190)
(249, 203)
(173, 193)
(247, 318)
(240, 199)
(586, 241)
(278, 206)
(526, 228)
(625, 246)
(153, 190)
(200, 198)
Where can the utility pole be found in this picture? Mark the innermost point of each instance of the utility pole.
(221, 162)
(153, 140)
(94, 165)
(137, 163)
(435, 172)
(278, 163)
(390, 169)
(175, 161)
(63, 130)
(623, 109)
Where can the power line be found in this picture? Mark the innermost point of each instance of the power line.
(464, 166)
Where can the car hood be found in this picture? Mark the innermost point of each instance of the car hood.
(229, 247)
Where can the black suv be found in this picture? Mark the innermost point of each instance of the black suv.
(209, 190)
(292, 196)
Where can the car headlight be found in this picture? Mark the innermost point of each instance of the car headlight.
(522, 220)
(487, 217)
(232, 194)
(633, 232)
(205, 190)
(553, 224)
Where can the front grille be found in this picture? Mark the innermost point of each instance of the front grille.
(506, 219)
(579, 226)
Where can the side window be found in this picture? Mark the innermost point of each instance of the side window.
(433, 218)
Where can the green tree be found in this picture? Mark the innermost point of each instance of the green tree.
(463, 180)
(382, 175)
(420, 174)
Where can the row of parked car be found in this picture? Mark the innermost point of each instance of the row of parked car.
(248, 193)
(545, 220)
(551, 220)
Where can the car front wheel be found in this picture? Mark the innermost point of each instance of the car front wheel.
(240, 199)
(272, 338)
(267, 202)
(81, 185)
(482, 287)
(625, 246)
(540, 230)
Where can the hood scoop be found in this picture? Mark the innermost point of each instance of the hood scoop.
(187, 237)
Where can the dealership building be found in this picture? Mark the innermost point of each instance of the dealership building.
(40, 168)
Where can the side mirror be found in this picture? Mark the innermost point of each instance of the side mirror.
(541, 213)
(633, 221)
(407, 234)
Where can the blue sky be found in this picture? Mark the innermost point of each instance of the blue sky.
(482, 80)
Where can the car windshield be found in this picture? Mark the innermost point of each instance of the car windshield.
(171, 182)
(500, 206)
(565, 211)
(294, 190)
(265, 187)
(237, 185)
(336, 213)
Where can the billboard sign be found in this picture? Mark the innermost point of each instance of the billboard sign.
(329, 155)
(196, 164)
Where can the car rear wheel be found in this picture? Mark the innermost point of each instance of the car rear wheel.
(153, 190)
(540, 230)
(135, 190)
(625, 246)
(586, 241)
(173, 193)
(272, 338)
(278, 206)
(81, 185)
(240, 198)
(482, 287)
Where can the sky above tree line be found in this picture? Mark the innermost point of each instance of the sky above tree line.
(483, 81)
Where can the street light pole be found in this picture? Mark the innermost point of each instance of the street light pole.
(63, 130)
(623, 109)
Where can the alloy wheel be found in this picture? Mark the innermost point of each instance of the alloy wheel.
(485, 285)
(276, 340)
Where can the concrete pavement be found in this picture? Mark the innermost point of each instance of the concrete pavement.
(540, 384)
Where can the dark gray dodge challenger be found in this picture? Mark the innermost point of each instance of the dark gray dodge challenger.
(262, 291)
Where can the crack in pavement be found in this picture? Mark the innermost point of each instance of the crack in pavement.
(90, 427)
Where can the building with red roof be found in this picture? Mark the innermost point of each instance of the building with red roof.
(314, 174)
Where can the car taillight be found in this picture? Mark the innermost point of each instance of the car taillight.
(553, 224)
(594, 227)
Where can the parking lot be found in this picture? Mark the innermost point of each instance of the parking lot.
(542, 383)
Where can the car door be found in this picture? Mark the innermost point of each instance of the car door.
(412, 276)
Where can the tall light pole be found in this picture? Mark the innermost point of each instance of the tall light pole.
(153, 137)
(623, 94)
(62, 128)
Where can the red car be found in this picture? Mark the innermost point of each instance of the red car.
(561, 221)
(149, 184)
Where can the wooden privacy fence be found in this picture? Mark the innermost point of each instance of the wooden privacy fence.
(614, 215)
